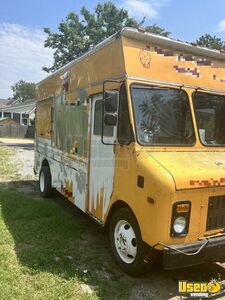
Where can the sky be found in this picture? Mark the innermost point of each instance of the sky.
(22, 52)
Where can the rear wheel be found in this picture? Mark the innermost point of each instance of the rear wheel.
(45, 186)
(130, 252)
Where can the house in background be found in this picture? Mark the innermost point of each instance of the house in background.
(4, 103)
(21, 113)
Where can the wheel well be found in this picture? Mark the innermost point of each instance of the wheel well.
(116, 205)
(45, 163)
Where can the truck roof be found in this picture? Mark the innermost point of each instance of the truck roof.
(147, 37)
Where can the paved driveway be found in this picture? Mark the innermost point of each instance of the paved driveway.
(21, 143)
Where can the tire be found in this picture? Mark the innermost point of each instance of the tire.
(135, 258)
(45, 186)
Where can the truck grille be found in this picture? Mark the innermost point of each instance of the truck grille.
(216, 213)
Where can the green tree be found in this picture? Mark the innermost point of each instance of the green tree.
(23, 90)
(212, 42)
(76, 35)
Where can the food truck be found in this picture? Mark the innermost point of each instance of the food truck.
(133, 134)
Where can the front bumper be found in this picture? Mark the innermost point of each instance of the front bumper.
(214, 250)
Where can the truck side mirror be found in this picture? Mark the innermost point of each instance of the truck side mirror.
(111, 101)
(110, 119)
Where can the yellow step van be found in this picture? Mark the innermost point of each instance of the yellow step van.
(133, 134)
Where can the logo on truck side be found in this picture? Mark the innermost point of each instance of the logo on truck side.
(145, 58)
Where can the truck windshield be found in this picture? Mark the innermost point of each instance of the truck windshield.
(210, 117)
(162, 116)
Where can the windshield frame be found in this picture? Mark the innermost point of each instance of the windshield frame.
(197, 128)
(134, 116)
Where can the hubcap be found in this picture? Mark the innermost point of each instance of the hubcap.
(42, 181)
(125, 241)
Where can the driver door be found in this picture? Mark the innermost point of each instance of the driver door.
(102, 162)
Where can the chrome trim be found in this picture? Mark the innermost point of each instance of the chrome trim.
(173, 43)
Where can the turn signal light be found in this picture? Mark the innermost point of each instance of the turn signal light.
(180, 219)
(183, 208)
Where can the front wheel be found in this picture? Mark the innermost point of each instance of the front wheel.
(45, 186)
(130, 252)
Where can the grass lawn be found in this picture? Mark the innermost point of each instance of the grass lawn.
(49, 249)
(44, 253)
(37, 250)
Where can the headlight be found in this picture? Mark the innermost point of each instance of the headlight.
(180, 218)
(179, 225)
